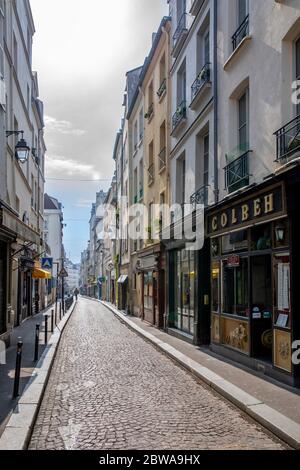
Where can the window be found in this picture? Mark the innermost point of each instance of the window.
(135, 136)
(297, 53)
(162, 145)
(29, 43)
(180, 181)
(151, 163)
(243, 125)
(162, 214)
(141, 124)
(235, 282)
(141, 174)
(15, 53)
(215, 286)
(242, 11)
(28, 98)
(181, 84)
(162, 69)
(206, 160)
(135, 186)
(148, 290)
(181, 9)
(206, 47)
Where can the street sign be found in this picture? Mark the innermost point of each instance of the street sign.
(47, 263)
(63, 273)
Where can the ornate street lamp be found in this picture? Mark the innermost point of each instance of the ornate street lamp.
(280, 232)
(21, 150)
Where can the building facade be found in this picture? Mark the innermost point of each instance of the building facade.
(22, 180)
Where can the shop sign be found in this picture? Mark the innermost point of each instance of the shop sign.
(27, 263)
(233, 261)
(263, 206)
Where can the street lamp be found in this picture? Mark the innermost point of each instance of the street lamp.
(21, 150)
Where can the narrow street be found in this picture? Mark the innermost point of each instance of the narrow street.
(110, 389)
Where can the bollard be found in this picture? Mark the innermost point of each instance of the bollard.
(52, 321)
(37, 342)
(46, 329)
(60, 310)
(56, 313)
(18, 368)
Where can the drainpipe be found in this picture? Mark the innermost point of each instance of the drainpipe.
(215, 88)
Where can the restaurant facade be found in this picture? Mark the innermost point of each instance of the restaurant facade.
(254, 244)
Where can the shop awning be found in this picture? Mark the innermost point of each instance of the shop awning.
(122, 279)
(39, 273)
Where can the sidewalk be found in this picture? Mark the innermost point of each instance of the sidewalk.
(7, 372)
(274, 405)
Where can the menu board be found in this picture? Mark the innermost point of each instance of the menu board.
(283, 286)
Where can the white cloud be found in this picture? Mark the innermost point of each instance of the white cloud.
(59, 167)
(62, 127)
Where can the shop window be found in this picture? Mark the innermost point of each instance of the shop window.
(235, 241)
(282, 291)
(235, 282)
(184, 290)
(215, 286)
(261, 238)
(148, 290)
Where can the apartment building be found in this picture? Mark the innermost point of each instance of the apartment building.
(22, 168)
(253, 228)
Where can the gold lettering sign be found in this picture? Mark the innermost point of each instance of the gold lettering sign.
(214, 223)
(233, 216)
(224, 219)
(245, 212)
(256, 207)
(269, 203)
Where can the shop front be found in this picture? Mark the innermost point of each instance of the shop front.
(251, 275)
(152, 269)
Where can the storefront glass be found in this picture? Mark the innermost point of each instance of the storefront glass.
(235, 282)
(184, 290)
(148, 290)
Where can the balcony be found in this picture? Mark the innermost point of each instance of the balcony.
(237, 173)
(150, 113)
(196, 7)
(135, 199)
(241, 33)
(201, 83)
(162, 157)
(162, 89)
(200, 197)
(151, 174)
(180, 34)
(141, 193)
(179, 118)
(288, 141)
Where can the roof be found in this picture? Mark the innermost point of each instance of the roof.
(50, 203)
(147, 63)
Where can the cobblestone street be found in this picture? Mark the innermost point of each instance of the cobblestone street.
(110, 389)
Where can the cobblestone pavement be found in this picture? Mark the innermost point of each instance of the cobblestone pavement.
(110, 389)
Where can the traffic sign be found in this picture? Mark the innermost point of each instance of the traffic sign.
(47, 263)
(63, 273)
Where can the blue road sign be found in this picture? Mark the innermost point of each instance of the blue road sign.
(47, 263)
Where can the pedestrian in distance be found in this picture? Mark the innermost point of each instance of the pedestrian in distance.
(76, 292)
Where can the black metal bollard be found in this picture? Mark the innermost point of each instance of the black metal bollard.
(18, 368)
(52, 321)
(55, 313)
(46, 329)
(60, 310)
(37, 342)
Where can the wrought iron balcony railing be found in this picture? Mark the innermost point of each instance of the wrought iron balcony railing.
(162, 89)
(288, 139)
(202, 78)
(135, 199)
(162, 157)
(141, 193)
(237, 173)
(181, 28)
(179, 115)
(241, 33)
(200, 197)
(151, 174)
(150, 112)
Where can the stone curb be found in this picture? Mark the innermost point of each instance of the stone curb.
(281, 426)
(18, 430)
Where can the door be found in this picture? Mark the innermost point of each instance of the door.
(261, 306)
(2, 288)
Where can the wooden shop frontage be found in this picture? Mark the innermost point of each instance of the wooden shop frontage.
(254, 243)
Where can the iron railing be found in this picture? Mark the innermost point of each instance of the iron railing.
(151, 174)
(162, 158)
(200, 197)
(181, 27)
(162, 88)
(288, 139)
(241, 33)
(237, 173)
(179, 115)
(150, 112)
(141, 193)
(202, 78)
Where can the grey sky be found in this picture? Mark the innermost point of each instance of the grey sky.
(82, 51)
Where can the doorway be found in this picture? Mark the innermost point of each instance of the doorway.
(261, 307)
